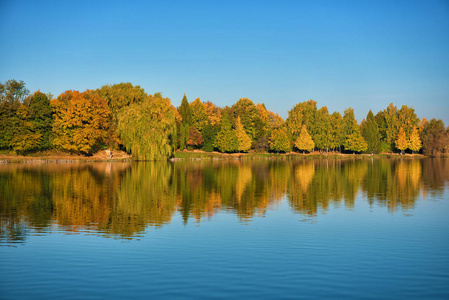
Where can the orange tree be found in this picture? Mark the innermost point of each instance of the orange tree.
(81, 121)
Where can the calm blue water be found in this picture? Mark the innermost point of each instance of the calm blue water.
(256, 236)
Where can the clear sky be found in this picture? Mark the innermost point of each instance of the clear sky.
(363, 54)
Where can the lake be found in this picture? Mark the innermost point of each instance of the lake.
(303, 229)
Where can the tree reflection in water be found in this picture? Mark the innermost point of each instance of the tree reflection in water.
(122, 199)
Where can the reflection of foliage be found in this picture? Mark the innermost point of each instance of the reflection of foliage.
(314, 186)
(146, 196)
(148, 128)
(121, 199)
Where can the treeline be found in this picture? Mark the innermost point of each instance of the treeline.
(124, 116)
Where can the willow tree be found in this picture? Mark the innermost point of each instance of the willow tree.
(117, 97)
(148, 128)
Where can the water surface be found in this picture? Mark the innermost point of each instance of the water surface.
(310, 229)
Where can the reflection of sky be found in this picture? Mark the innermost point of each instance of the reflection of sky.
(363, 54)
(347, 253)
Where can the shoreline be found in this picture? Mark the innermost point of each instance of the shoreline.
(186, 155)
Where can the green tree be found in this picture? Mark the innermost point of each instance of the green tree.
(262, 128)
(435, 138)
(199, 116)
(12, 94)
(348, 121)
(81, 121)
(280, 141)
(301, 114)
(414, 142)
(34, 124)
(148, 129)
(401, 141)
(355, 141)
(185, 111)
(121, 95)
(304, 141)
(336, 137)
(247, 111)
(226, 140)
(117, 97)
(244, 141)
(209, 135)
(320, 131)
(392, 124)
(381, 122)
(370, 133)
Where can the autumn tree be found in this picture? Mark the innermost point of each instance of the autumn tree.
(401, 140)
(304, 141)
(435, 138)
(243, 140)
(213, 113)
(121, 95)
(370, 132)
(280, 141)
(407, 119)
(355, 141)
(414, 142)
(117, 97)
(195, 138)
(302, 113)
(226, 140)
(81, 121)
(199, 116)
(148, 128)
(247, 111)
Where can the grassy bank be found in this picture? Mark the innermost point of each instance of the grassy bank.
(103, 156)
(201, 155)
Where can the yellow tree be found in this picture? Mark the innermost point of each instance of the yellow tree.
(148, 128)
(213, 114)
(81, 121)
(304, 140)
(414, 142)
(244, 141)
(401, 140)
(199, 116)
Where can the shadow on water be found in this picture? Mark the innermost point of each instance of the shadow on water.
(122, 199)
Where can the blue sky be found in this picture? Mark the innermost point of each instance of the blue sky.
(363, 54)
